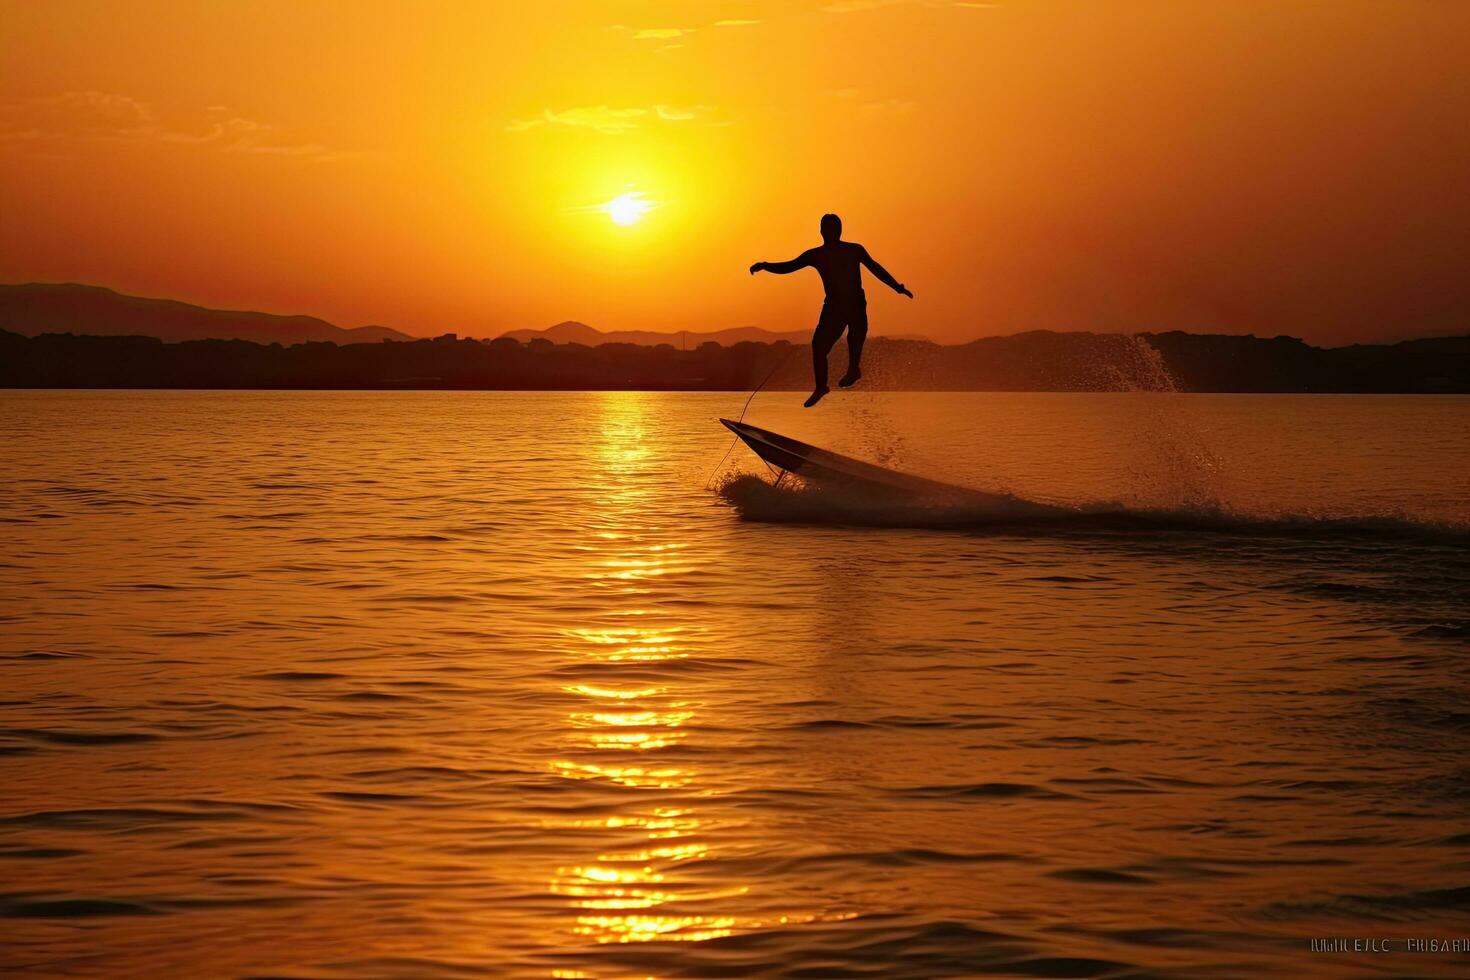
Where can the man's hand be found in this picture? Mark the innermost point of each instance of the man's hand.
(757, 267)
(904, 290)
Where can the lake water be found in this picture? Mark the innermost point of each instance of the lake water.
(452, 685)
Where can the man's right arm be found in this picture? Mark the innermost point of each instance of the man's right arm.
(782, 268)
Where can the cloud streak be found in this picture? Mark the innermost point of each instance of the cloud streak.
(891, 105)
(676, 33)
(610, 120)
(109, 117)
(854, 6)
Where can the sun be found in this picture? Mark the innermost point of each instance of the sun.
(627, 209)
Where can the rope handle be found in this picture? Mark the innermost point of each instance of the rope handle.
(736, 438)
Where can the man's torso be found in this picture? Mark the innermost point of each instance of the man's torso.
(840, 266)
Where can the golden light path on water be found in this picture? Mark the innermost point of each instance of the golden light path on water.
(644, 890)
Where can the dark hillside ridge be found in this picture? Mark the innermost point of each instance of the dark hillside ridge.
(1035, 361)
(37, 308)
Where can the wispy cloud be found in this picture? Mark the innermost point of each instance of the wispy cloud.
(682, 113)
(675, 33)
(96, 117)
(661, 33)
(854, 6)
(610, 120)
(890, 105)
(241, 135)
(77, 115)
(601, 118)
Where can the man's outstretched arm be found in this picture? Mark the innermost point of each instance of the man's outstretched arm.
(781, 268)
(884, 276)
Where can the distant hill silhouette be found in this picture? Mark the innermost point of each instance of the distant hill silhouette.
(36, 308)
(573, 332)
(1035, 361)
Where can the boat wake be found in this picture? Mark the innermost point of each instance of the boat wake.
(797, 502)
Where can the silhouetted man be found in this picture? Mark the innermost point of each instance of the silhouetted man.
(838, 263)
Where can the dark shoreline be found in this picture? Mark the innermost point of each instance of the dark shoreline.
(1034, 361)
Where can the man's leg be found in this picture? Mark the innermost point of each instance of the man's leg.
(829, 328)
(857, 333)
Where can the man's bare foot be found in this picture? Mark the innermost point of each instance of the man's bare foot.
(850, 378)
(816, 397)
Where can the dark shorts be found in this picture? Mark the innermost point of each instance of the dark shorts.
(842, 314)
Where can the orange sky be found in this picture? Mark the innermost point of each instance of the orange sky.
(1270, 167)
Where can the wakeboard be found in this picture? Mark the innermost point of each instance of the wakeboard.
(824, 467)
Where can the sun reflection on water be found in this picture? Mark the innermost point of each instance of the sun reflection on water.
(643, 887)
(631, 643)
(647, 878)
(592, 691)
(667, 777)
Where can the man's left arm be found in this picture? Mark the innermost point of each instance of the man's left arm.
(884, 276)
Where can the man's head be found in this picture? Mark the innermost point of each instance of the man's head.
(831, 228)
